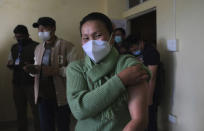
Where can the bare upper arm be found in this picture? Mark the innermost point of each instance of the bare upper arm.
(138, 102)
(153, 69)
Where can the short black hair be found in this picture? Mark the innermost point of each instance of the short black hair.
(20, 29)
(121, 30)
(100, 17)
(132, 40)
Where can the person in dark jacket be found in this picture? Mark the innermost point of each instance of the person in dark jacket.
(119, 37)
(150, 57)
(21, 54)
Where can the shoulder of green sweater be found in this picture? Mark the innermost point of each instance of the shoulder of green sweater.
(130, 60)
(127, 60)
(126, 56)
(76, 65)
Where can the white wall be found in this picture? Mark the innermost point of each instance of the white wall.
(189, 74)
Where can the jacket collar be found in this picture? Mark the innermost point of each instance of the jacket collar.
(55, 43)
(96, 71)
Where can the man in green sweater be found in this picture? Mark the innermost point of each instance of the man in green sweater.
(106, 91)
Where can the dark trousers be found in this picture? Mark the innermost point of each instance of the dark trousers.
(51, 114)
(22, 96)
(152, 125)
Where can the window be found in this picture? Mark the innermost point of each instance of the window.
(133, 3)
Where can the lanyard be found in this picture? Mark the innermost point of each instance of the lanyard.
(19, 49)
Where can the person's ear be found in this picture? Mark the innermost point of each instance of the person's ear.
(53, 29)
(27, 35)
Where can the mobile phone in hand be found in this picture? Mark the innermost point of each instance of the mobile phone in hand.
(33, 69)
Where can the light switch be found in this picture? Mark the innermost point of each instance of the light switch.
(172, 45)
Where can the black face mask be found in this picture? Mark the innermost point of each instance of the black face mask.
(22, 41)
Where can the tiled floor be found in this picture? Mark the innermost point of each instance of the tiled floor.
(12, 125)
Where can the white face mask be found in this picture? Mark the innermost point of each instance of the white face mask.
(44, 35)
(118, 39)
(96, 49)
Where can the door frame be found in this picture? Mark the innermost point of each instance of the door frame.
(138, 14)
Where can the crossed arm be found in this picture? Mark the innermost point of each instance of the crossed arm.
(82, 101)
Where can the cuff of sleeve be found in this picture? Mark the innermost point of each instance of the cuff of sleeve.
(148, 72)
(62, 71)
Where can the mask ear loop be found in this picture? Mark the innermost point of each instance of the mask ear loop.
(110, 40)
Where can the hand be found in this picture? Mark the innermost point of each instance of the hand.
(33, 69)
(133, 75)
(10, 64)
(50, 71)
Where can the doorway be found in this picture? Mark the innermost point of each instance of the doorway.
(144, 27)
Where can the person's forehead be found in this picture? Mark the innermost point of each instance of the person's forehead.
(118, 32)
(44, 27)
(93, 26)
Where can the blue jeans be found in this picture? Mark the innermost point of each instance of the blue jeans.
(51, 114)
